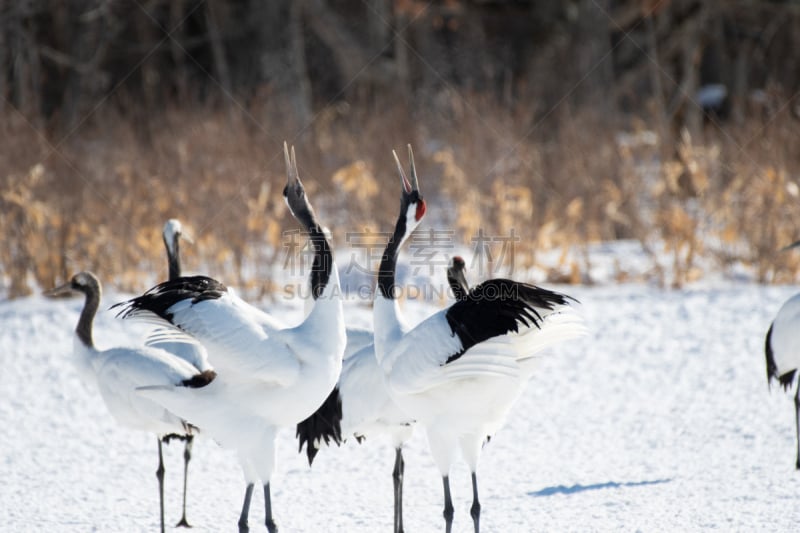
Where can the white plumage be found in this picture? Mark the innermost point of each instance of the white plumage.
(459, 372)
(119, 372)
(183, 346)
(180, 345)
(357, 340)
(369, 410)
(511, 355)
(361, 405)
(367, 407)
(782, 349)
(269, 376)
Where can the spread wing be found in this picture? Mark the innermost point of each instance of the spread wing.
(240, 339)
(489, 333)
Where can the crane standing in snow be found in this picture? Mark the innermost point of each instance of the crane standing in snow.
(459, 371)
(269, 376)
(186, 348)
(119, 372)
(363, 404)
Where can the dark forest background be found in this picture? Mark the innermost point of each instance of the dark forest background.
(674, 122)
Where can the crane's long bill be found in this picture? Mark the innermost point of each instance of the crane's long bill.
(61, 290)
(291, 165)
(414, 180)
(403, 179)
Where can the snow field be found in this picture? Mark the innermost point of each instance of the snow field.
(659, 420)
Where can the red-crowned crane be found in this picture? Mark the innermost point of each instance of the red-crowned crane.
(360, 405)
(459, 372)
(269, 376)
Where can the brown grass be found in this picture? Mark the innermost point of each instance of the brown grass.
(97, 199)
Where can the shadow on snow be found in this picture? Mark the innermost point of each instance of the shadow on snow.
(563, 489)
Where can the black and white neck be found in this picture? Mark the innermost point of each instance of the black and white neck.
(387, 321)
(295, 196)
(412, 209)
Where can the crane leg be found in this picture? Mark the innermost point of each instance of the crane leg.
(160, 476)
(797, 423)
(187, 456)
(475, 510)
(448, 505)
(248, 493)
(397, 476)
(272, 527)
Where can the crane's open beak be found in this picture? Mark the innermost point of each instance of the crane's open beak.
(413, 185)
(414, 180)
(292, 176)
(403, 180)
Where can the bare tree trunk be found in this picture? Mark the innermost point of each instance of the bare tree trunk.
(379, 20)
(740, 80)
(218, 49)
(81, 47)
(659, 98)
(24, 58)
(351, 57)
(356, 63)
(176, 10)
(693, 114)
(401, 58)
(282, 66)
(4, 92)
(476, 69)
(594, 63)
(379, 32)
(301, 100)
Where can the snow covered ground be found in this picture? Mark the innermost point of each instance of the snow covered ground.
(659, 420)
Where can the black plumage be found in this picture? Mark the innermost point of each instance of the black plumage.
(295, 195)
(386, 281)
(497, 307)
(324, 425)
(164, 295)
(322, 263)
(200, 380)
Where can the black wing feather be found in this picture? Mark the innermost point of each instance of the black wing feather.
(198, 381)
(787, 378)
(497, 307)
(325, 424)
(164, 295)
(772, 368)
